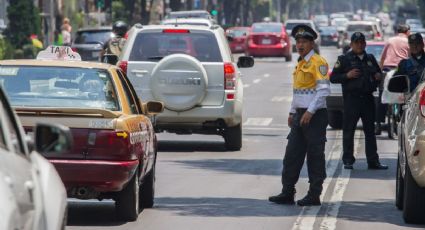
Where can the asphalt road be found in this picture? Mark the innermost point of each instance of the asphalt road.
(201, 186)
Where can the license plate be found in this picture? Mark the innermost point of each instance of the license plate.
(267, 41)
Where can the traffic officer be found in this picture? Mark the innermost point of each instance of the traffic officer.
(359, 74)
(415, 64)
(308, 121)
(116, 43)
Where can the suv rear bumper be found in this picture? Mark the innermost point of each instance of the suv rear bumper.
(229, 112)
(95, 175)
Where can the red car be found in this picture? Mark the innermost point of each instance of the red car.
(238, 41)
(269, 39)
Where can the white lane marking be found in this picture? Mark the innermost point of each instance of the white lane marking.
(256, 81)
(330, 219)
(307, 217)
(246, 85)
(266, 75)
(279, 99)
(258, 121)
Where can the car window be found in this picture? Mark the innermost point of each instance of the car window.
(267, 28)
(291, 25)
(359, 27)
(93, 37)
(130, 98)
(237, 32)
(36, 86)
(8, 123)
(152, 46)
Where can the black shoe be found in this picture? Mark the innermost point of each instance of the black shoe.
(378, 130)
(348, 166)
(377, 165)
(309, 200)
(283, 198)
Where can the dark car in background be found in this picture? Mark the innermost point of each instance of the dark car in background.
(89, 42)
(238, 37)
(269, 39)
(329, 35)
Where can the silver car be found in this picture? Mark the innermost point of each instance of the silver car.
(410, 185)
(191, 69)
(32, 194)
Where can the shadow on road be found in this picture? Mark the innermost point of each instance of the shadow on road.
(224, 207)
(383, 211)
(92, 213)
(191, 146)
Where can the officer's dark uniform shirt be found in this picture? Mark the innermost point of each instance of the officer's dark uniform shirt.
(413, 68)
(365, 83)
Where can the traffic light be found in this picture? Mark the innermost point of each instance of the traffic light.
(100, 3)
(214, 12)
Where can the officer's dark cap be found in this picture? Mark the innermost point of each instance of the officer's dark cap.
(358, 36)
(416, 38)
(304, 31)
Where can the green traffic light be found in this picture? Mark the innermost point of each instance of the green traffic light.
(214, 12)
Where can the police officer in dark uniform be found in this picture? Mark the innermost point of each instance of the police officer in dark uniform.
(359, 74)
(415, 64)
(308, 121)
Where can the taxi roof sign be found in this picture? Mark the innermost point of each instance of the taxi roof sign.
(58, 53)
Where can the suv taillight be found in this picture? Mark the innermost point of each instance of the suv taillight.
(229, 76)
(422, 102)
(123, 66)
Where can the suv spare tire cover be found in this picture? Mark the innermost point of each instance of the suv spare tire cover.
(179, 81)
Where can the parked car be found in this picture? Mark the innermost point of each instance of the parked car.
(115, 150)
(335, 102)
(291, 23)
(329, 35)
(269, 39)
(191, 69)
(238, 36)
(321, 20)
(32, 194)
(89, 42)
(410, 179)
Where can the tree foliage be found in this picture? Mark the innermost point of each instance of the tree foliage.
(24, 20)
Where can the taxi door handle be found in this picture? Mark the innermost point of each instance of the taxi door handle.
(29, 185)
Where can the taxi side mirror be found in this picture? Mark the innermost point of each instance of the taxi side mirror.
(399, 84)
(110, 59)
(153, 107)
(52, 138)
(245, 61)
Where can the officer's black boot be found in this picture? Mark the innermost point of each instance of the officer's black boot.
(309, 200)
(285, 197)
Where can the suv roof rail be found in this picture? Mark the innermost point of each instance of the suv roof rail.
(138, 25)
(213, 27)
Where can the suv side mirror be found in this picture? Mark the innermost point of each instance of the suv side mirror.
(110, 59)
(51, 138)
(399, 84)
(245, 61)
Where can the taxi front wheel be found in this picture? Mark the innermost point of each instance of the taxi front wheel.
(147, 190)
(233, 138)
(399, 188)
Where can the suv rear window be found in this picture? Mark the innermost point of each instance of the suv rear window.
(267, 28)
(359, 27)
(92, 37)
(153, 46)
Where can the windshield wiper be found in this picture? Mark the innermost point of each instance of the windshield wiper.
(155, 58)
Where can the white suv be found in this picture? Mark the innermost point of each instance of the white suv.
(192, 71)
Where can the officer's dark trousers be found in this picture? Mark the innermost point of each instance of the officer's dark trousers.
(304, 140)
(359, 107)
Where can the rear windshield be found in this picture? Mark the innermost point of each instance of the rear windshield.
(359, 27)
(267, 28)
(93, 37)
(153, 46)
(33, 86)
(291, 25)
(238, 32)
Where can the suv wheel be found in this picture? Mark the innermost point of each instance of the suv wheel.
(414, 200)
(233, 138)
(335, 119)
(127, 202)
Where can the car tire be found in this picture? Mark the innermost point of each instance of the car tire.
(414, 200)
(288, 58)
(399, 192)
(335, 119)
(390, 126)
(233, 138)
(127, 202)
(147, 190)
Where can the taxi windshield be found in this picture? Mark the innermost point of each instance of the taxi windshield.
(41, 86)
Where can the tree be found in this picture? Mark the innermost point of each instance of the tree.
(24, 20)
